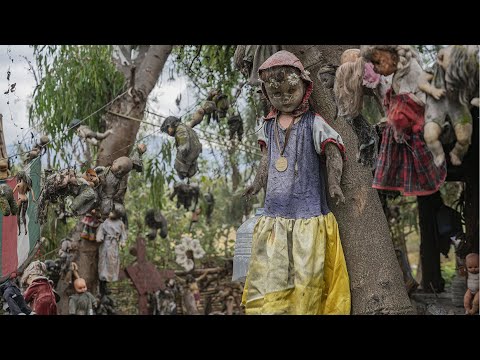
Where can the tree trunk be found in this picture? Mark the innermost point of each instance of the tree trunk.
(375, 278)
(120, 143)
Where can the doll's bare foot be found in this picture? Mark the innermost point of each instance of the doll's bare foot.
(439, 160)
(455, 159)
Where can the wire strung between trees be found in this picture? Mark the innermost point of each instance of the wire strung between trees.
(71, 127)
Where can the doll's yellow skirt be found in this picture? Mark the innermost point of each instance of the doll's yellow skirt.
(297, 267)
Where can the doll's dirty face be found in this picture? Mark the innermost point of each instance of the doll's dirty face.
(122, 166)
(472, 263)
(384, 62)
(171, 131)
(80, 286)
(287, 95)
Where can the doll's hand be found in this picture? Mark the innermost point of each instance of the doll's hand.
(336, 193)
(437, 93)
(249, 191)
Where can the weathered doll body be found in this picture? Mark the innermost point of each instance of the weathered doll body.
(24, 186)
(471, 296)
(188, 146)
(451, 86)
(82, 302)
(297, 264)
(39, 293)
(404, 163)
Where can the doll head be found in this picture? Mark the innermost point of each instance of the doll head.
(141, 148)
(388, 59)
(22, 176)
(116, 213)
(350, 55)
(121, 166)
(80, 285)
(91, 176)
(285, 83)
(471, 261)
(461, 64)
(169, 125)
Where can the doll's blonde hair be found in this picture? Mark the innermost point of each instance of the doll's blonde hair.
(462, 73)
(348, 88)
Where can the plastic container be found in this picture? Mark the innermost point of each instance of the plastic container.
(243, 247)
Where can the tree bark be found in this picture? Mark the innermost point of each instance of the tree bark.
(121, 142)
(375, 277)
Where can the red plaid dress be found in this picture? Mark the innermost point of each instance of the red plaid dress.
(405, 163)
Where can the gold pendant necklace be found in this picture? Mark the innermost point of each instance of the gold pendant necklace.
(282, 163)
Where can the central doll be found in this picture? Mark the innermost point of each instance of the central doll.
(297, 264)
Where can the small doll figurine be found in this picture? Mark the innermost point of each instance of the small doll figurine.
(87, 134)
(354, 79)
(235, 126)
(188, 146)
(297, 264)
(470, 300)
(40, 291)
(112, 235)
(14, 298)
(112, 183)
(451, 86)
(136, 157)
(156, 221)
(4, 170)
(90, 225)
(91, 178)
(186, 195)
(24, 185)
(405, 163)
(83, 302)
(38, 148)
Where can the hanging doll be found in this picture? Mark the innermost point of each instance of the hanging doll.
(210, 204)
(155, 221)
(136, 157)
(404, 163)
(24, 186)
(471, 296)
(354, 78)
(82, 302)
(90, 224)
(40, 292)
(38, 148)
(166, 299)
(297, 264)
(87, 134)
(216, 107)
(188, 146)
(451, 86)
(4, 169)
(14, 298)
(112, 235)
(113, 183)
(186, 194)
(235, 126)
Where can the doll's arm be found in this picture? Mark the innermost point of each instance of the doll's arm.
(426, 87)
(261, 176)
(334, 171)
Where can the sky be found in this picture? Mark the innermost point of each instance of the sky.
(14, 105)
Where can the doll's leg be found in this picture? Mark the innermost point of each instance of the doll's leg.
(463, 132)
(432, 133)
(9, 296)
(20, 300)
(467, 301)
(20, 207)
(24, 215)
(474, 309)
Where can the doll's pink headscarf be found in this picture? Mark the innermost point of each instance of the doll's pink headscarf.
(285, 58)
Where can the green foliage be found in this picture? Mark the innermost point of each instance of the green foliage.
(76, 81)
